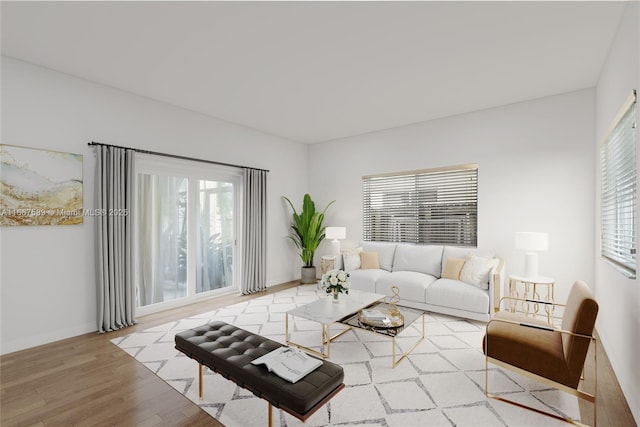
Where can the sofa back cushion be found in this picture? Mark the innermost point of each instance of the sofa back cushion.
(419, 258)
(385, 252)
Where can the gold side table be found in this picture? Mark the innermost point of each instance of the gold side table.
(530, 292)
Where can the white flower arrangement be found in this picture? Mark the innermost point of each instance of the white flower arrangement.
(336, 279)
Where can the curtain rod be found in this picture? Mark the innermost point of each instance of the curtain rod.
(175, 156)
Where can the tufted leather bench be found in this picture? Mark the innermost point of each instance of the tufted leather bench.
(229, 350)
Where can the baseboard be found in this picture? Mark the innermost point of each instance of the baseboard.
(46, 338)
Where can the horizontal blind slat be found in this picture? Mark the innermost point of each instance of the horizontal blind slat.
(424, 207)
(619, 193)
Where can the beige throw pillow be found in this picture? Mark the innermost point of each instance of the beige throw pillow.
(369, 260)
(452, 268)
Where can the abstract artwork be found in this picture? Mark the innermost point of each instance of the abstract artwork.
(39, 187)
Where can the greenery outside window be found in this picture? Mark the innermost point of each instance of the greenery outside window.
(431, 206)
(618, 190)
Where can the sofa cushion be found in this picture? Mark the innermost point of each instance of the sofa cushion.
(365, 280)
(385, 252)
(421, 258)
(412, 285)
(369, 261)
(452, 268)
(458, 295)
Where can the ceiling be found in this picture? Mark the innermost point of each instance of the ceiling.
(317, 71)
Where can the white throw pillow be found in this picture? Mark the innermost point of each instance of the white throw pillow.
(351, 259)
(475, 271)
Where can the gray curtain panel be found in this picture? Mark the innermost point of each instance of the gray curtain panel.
(114, 242)
(254, 231)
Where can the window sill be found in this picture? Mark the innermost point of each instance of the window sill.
(622, 270)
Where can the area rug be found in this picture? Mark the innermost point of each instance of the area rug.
(440, 384)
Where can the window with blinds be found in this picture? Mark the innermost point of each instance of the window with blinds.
(618, 190)
(438, 206)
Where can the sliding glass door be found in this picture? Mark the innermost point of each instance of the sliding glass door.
(215, 235)
(185, 232)
(162, 238)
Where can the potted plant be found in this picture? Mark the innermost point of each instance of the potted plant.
(307, 232)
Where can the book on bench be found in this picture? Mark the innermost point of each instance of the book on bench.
(288, 363)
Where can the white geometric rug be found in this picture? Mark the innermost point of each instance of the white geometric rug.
(440, 384)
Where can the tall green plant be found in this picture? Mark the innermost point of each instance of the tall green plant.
(307, 230)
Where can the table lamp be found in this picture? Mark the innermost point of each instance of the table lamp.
(335, 233)
(531, 243)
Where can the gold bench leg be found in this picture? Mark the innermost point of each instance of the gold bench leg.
(269, 411)
(200, 380)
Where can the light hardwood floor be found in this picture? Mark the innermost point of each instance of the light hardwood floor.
(88, 381)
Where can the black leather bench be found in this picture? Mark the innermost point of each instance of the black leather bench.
(229, 350)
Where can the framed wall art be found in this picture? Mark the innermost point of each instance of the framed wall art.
(40, 187)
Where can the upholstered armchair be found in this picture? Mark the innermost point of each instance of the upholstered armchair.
(551, 355)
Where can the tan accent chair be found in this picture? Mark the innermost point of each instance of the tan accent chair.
(540, 351)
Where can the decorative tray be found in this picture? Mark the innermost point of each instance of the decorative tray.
(395, 319)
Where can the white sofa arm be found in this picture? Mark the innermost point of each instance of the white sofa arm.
(496, 284)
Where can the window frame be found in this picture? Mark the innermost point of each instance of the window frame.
(428, 206)
(618, 190)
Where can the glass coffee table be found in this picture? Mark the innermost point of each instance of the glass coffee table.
(346, 312)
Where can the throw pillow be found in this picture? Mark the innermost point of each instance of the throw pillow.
(369, 260)
(475, 271)
(452, 268)
(351, 259)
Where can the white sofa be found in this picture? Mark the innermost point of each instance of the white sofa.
(417, 270)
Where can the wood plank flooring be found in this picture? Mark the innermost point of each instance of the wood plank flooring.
(88, 381)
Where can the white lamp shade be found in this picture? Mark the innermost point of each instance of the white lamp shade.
(532, 241)
(335, 233)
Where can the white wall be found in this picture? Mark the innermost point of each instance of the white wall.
(47, 273)
(536, 173)
(619, 297)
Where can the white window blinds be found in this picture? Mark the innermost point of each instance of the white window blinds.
(438, 206)
(618, 190)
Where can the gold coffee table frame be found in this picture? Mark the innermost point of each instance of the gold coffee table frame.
(410, 316)
(345, 312)
(326, 312)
